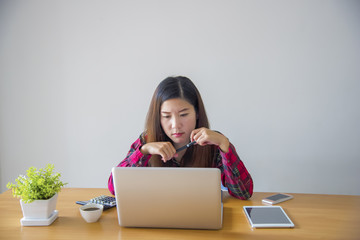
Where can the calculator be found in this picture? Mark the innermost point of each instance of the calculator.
(106, 201)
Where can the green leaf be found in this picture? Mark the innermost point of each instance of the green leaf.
(39, 184)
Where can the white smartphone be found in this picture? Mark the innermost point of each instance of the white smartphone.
(277, 198)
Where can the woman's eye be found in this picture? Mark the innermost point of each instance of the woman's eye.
(166, 116)
(184, 115)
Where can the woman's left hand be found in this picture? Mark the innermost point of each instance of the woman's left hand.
(204, 136)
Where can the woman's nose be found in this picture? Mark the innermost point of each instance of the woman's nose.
(175, 122)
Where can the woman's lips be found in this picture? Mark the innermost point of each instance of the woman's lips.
(178, 134)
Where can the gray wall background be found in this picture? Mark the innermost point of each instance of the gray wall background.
(281, 79)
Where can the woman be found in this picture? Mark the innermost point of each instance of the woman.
(176, 117)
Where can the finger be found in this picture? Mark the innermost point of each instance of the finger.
(168, 151)
(172, 149)
(193, 133)
(196, 136)
(201, 141)
(164, 156)
(201, 136)
(204, 139)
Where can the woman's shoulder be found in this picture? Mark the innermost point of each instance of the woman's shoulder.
(141, 140)
(143, 137)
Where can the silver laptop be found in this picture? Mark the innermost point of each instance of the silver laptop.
(168, 197)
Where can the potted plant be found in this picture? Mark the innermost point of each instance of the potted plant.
(38, 193)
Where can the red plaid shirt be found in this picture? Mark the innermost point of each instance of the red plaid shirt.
(234, 175)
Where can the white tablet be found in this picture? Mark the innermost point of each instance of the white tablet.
(267, 217)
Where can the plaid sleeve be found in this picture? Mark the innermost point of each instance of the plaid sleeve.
(234, 174)
(134, 158)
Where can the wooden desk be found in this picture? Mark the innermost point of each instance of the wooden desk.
(314, 216)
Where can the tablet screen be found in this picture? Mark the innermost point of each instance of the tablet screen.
(267, 216)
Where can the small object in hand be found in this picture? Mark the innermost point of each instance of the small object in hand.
(186, 146)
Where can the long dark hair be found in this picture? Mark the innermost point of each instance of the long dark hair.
(184, 88)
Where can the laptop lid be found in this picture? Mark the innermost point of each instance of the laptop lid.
(168, 197)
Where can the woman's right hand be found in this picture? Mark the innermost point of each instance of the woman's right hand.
(165, 149)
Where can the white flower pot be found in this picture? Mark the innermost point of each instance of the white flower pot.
(39, 209)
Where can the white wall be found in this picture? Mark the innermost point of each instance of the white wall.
(281, 79)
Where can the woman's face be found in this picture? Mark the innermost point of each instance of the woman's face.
(178, 120)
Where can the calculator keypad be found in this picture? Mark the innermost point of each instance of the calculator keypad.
(104, 200)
